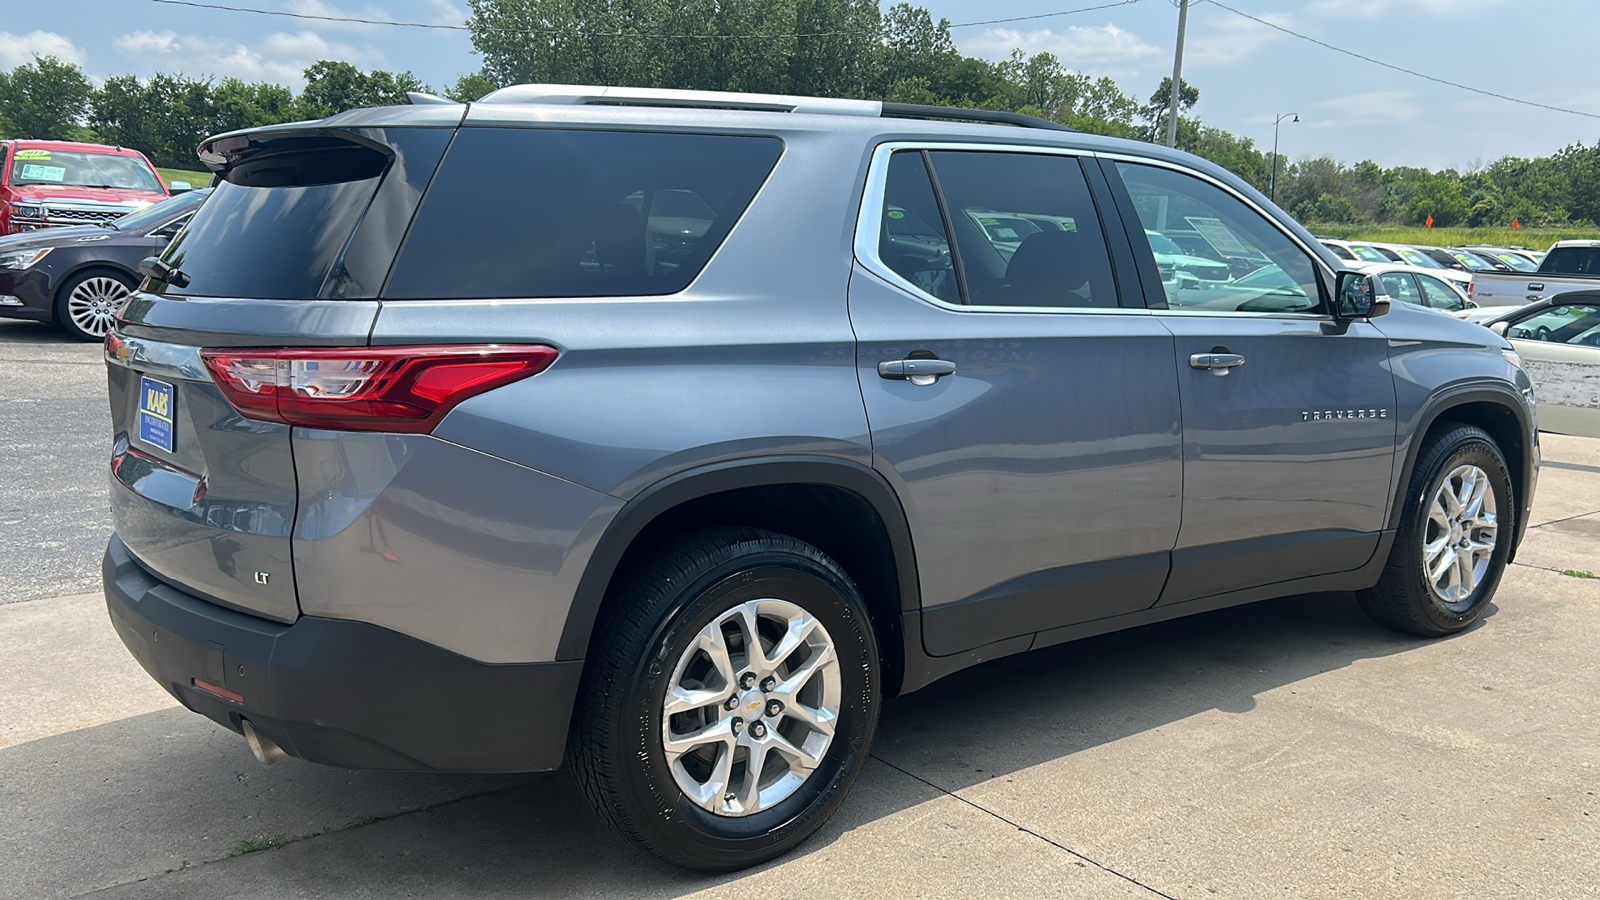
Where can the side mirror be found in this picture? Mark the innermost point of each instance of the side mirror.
(178, 187)
(1500, 328)
(1356, 297)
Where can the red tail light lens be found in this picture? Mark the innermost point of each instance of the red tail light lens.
(406, 389)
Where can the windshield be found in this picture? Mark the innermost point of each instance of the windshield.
(1470, 261)
(1418, 258)
(79, 168)
(1160, 243)
(157, 213)
(1368, 254)
(1520, 263)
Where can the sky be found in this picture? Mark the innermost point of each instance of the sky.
(1247, 73)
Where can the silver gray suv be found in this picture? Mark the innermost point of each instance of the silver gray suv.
(668, 434)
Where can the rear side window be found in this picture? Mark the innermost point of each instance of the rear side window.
(522, 212)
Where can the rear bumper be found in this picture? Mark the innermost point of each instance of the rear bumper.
(342, 693)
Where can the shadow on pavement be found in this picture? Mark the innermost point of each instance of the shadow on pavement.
(169, 790)
(23, 331)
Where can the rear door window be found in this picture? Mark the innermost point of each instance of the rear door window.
(524, 212)
(1026, 229)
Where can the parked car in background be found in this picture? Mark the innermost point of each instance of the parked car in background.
(1340, 249)
(1419, 287)
(1559, 340)
(1567, 266)
(1516, 259)
(49, 184)
(1458, 260)
(78, 277)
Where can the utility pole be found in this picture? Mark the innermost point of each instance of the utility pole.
(1177, 76)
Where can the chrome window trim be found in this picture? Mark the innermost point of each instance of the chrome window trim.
(869, 226)
(1316, 258)
(869, 229)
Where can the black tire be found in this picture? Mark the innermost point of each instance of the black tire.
(63, 316)
(1403, 598)
(616, 745)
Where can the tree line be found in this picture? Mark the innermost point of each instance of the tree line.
(834, 48)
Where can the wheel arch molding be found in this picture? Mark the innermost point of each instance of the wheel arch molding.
(789, 494)
(1492, 407)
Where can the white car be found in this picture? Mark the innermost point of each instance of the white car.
(1559, 342)
(1421, 287)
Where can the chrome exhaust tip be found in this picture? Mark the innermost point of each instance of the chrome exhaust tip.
(261, 747)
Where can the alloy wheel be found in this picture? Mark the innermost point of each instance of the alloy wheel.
(93, 304)
(1459, 538)
(751, 707)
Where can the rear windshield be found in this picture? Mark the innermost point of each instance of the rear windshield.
(1572, 261)
(522, 212)
(271, 243)
(75, 168)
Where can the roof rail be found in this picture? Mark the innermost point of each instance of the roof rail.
(595, 95)
(956, 113)
(592, 95)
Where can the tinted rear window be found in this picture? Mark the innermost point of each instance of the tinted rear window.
(520, 212)
(1572, 261)
(272, 243)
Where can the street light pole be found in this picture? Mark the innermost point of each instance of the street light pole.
(1272, 183)
(1177, 76)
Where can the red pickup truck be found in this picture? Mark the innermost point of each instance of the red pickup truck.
(52, 183)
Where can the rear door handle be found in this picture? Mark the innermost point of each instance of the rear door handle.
(916, 371)
(1218, 363)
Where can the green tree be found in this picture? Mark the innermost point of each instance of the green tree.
(470, 88)
(1155, 111)
(333, 87)
(45, 99)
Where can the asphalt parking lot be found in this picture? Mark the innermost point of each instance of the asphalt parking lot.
(1285, 749)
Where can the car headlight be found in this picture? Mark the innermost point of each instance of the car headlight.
(27, 212)
(22, 259)
(1512, 357)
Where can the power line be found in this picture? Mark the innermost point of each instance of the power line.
(1387, 65)
(559, 31)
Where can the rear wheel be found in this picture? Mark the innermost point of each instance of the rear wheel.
(730, 701)
(1455, 535)
(87, 305)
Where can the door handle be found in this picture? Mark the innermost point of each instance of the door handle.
(916, 371)
(1218, 363)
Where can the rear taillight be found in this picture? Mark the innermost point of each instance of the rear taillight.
(1469, 290)
(406, 389)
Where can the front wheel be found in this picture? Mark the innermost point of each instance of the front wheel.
(86, 306)
(1455, 536)
(730, 701)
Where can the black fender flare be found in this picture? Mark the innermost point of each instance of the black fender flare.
(1438, 405)
(717, 478)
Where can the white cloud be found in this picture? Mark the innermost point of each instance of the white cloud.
(321, 8)
(447, 13)
(1079, 47)
(280, 56)
(1366, 108)
(1372, 9)
(1226, 38)
(20, 49)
